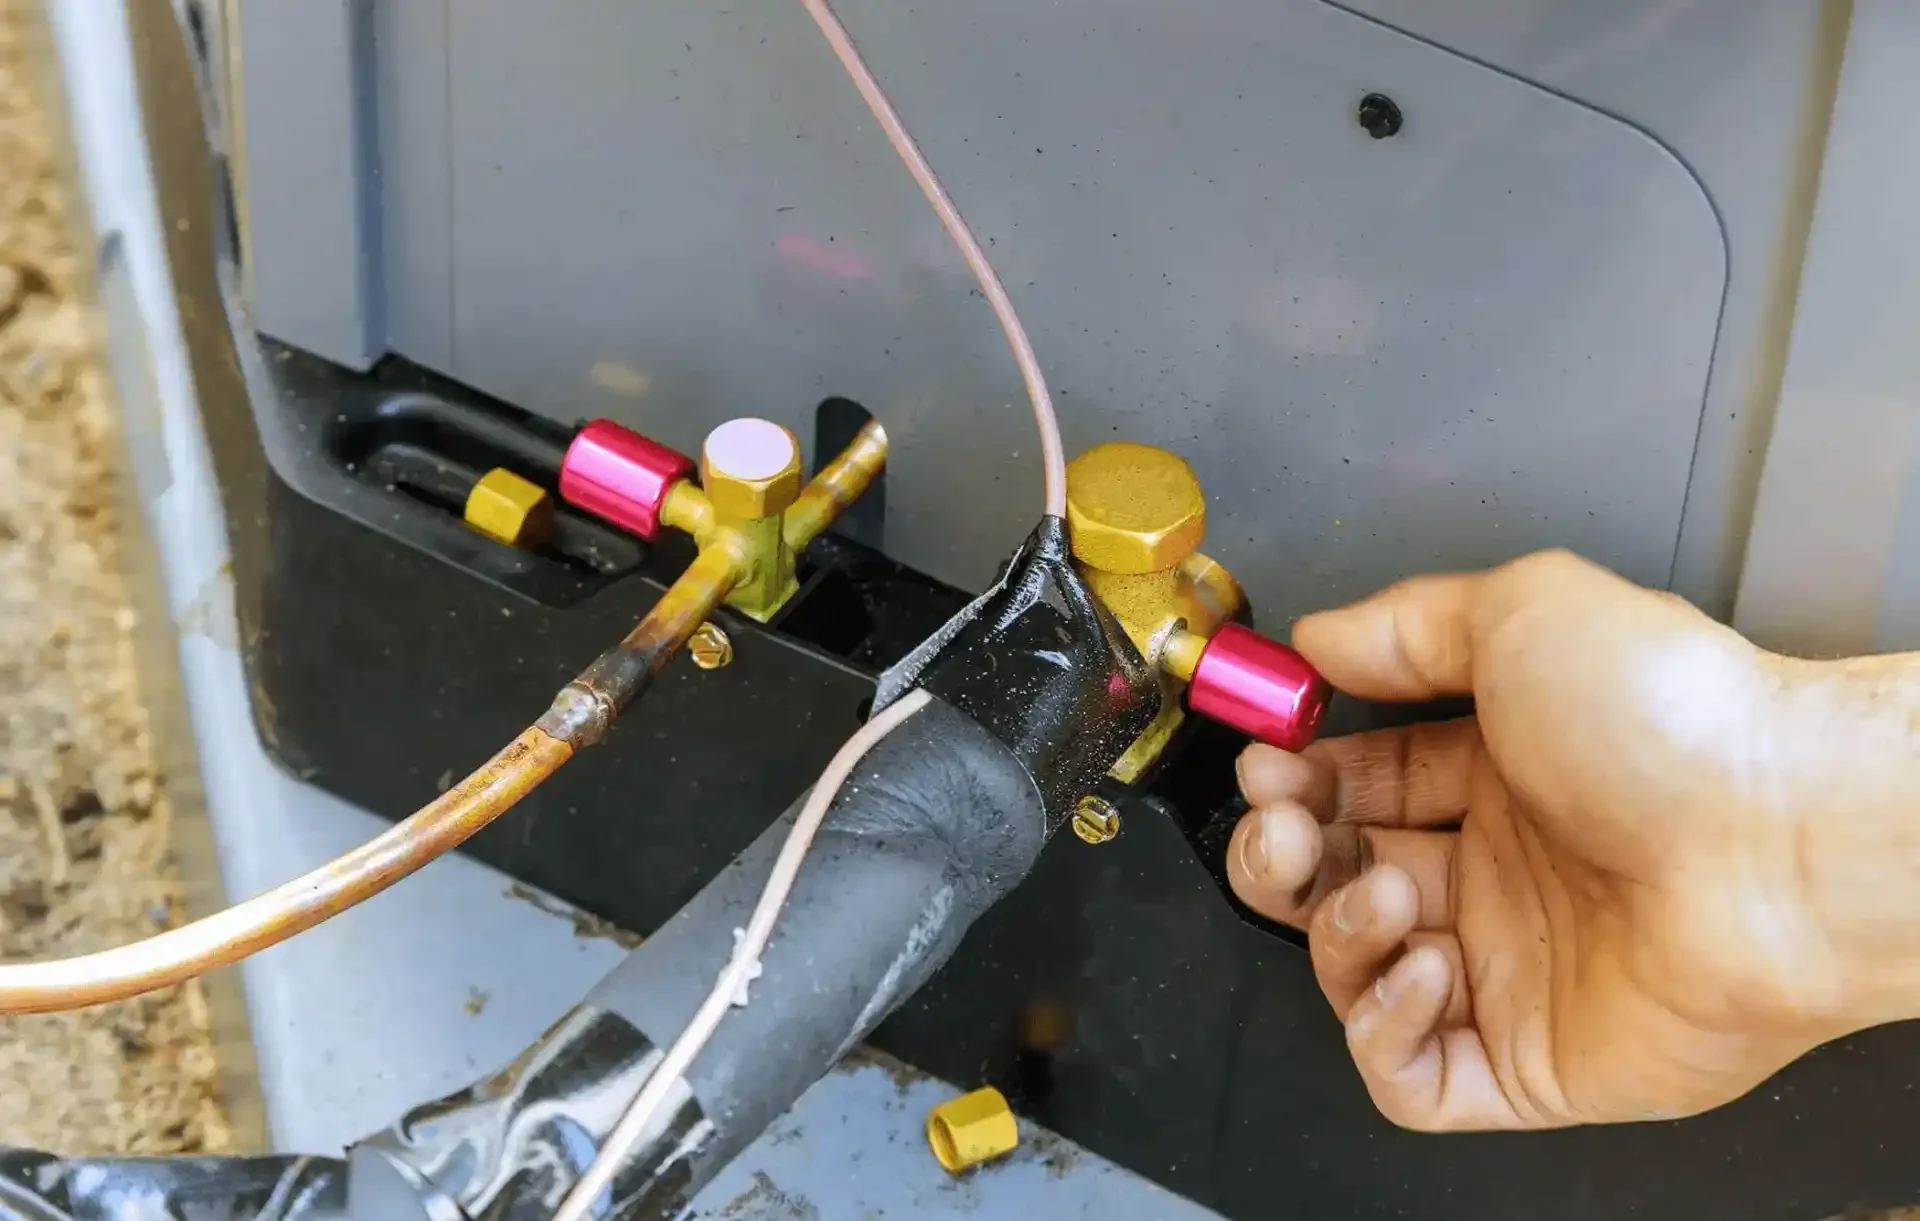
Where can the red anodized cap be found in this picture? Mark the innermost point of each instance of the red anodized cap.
(1260, 687)
(620, 476)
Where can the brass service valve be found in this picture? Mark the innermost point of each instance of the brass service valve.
(1136, 516)
(749, 513)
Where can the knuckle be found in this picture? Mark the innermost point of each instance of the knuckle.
(1550, 562)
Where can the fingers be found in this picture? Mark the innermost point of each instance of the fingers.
(1411, 641)
(1404, 999)
(1272, 860)
(1269, 776)
(1414, 776)
(1284, 864)
(1416, 640)
(1424, 1068)
(1358, 930)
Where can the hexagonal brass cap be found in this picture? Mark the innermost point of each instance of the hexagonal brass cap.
(505, 507)
(971, 1129)
(750, 468)
(1133, 509)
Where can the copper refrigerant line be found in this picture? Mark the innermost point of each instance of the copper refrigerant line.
(580, 715)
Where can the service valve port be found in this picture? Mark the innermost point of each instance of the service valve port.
(749, 508)
(1136, 516)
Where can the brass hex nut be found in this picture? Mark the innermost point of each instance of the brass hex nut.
(1133, 509)
(972, 1129)
(750, 468)
(509, 509)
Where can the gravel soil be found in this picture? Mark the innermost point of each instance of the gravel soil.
(85, 828)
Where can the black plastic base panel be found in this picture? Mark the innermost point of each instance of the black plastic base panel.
(1119, 996)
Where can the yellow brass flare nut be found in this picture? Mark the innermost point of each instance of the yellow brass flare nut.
(1133, 509)
(509, 509)
(750, 468)
(972, 1129)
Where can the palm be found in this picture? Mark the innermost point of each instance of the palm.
(1579, 1022)
(1582, 906)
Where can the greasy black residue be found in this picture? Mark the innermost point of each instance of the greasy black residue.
(584, 924)
(765, 1200)
(903, 1075)
(1041, 665)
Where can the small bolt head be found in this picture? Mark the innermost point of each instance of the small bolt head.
(1380, 115)
(1095, 820)
(750, 468)
(709, 647)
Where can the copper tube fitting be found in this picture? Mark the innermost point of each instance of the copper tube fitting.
(837, 485)
(1180, 656)
(1219, 585)
(622, 672)
(687, 509)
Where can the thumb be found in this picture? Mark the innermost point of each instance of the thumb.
(1410, 641)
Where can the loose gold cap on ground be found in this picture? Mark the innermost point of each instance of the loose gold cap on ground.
(509, 509)
(972, 1129)
(1133, 509)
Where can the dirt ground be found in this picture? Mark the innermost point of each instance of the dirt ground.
(85, 860)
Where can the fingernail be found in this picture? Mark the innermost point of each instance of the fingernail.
(1387, 989)
(1404, 976)
(1342, 900)
(1253, 849)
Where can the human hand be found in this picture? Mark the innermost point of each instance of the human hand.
(1657, 864)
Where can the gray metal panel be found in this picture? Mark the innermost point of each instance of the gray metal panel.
(410, 61)
(1834, 562)
(1488, 334)
(1740, 90)
(310, 167)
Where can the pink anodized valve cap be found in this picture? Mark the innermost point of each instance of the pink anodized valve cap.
(620, 476)
(1260, 687)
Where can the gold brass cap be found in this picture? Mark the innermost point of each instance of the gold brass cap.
(972, 1129)
(509, 509)
(750, 468)
(1133, 509)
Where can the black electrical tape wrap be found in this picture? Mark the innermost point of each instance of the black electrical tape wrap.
(37, 1186)
(1039, 663)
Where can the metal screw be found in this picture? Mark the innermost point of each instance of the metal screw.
(1380, 115)
(1095, 820)
(709, 647)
